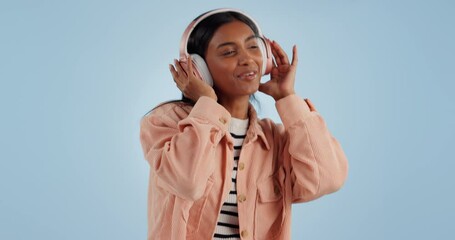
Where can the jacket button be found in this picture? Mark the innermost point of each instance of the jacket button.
(241, 198)
(244, 234)
(241, 166)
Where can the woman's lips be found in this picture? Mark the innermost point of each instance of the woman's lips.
(249, 75)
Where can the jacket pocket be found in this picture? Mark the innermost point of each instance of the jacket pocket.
(197, 208)
(270, 210)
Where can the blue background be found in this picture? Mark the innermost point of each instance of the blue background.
(77, 76)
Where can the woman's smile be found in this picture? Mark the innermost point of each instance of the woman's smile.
(248, 75)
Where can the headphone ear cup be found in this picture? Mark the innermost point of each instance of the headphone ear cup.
(266, 51)
(201, 70)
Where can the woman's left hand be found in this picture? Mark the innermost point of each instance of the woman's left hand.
(282, 77)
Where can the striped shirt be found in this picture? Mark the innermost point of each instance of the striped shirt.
(227, 227)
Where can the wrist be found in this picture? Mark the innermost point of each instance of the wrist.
(281, 96)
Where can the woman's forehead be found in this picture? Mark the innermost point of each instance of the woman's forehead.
(235, 31)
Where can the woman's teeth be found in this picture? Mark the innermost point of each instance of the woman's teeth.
(248, 75)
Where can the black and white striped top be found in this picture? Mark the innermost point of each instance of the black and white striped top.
(228, 222)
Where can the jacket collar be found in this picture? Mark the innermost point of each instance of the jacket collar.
(255, 129)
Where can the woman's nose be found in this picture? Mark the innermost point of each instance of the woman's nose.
(244, 57)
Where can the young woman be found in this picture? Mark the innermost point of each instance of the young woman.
(217, 171)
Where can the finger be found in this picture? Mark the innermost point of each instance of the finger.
(310, 105)
(281, 54)
(180, 69)
(174, 73)
(189, 65)
(276, 58)
(176, 78)
(295, 58)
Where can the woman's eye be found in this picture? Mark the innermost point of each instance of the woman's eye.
(228, 53)
(254, 46)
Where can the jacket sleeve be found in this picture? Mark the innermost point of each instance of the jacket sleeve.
(313, 158)
(180, 148)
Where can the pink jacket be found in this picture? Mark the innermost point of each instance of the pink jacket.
(190, 153)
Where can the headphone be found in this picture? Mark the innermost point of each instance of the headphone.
(200, 66)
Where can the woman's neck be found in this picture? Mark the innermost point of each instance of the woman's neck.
(237, 107)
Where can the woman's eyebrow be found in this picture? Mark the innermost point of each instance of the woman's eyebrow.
(232, 43)
(250, 37)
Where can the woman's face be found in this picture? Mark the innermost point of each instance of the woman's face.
(234, 60)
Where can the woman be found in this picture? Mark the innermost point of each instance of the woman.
(216, 170)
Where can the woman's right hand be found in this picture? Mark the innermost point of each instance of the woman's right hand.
(186, 80)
